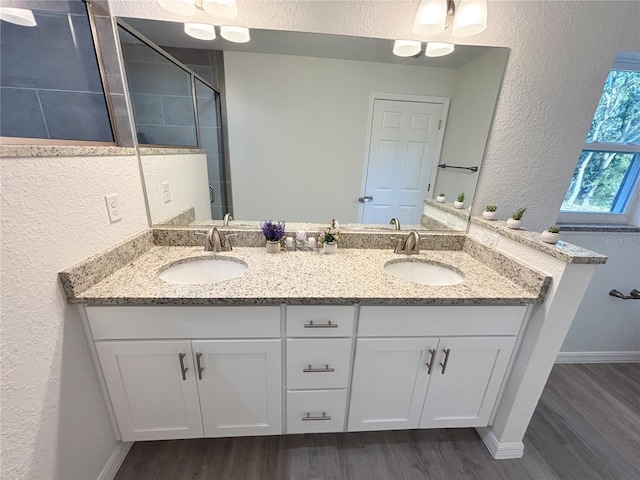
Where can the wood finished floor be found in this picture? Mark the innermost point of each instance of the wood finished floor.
(586, 426)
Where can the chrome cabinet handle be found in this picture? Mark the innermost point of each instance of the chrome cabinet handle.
(182, 367)
(309, 418)
(320, 325)
(319, 370)
(431, 363)
(200, 367)
(367, 198)
(446, 359)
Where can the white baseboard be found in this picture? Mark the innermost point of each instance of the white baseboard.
(115, 461)
(500, 451)
(598, 357)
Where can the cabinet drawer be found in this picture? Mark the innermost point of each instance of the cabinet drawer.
(307, 360)
(438, 321)
(316, 411)
(113, 323)
(321, 321)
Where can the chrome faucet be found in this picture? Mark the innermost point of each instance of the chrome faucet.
(227, 218)
(409, 245)
(217, 242)
(395, 222)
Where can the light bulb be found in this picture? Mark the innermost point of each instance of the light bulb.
(201, 31)
(470, 18)
(430, 18)
(406, 48)
(18, 16)
(235, 34)
(437, 49)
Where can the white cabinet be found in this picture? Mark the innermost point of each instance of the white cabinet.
(389, 383)
(239, 383)
(446, 380)
(168, 389)
(151, 397)
(465, 382)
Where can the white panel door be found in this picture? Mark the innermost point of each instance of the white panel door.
(151, 397)
(390, 379)
(464, 395)
(240, 386)
(402, 159)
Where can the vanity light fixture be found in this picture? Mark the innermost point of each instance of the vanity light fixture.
(469, 18)
(406, 48)
(439, 49)
(223, 9)
(18, 16)
(201, 31)
(235, 34)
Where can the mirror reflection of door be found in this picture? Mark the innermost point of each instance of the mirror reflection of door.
(405, 142)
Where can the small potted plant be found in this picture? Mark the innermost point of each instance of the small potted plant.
(273, 232)
(489, 212)
(459, 203)
(551, 234)
(329, 237)
(440, 198)
(516, 219)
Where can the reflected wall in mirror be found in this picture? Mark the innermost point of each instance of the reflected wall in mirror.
(316, 122)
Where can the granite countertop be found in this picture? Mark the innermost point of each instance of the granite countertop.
(302, 277)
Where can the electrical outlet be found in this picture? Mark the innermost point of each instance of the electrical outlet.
(166, 194)
(490, 239)
(113, 207)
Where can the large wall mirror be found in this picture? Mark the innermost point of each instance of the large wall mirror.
(307, 127)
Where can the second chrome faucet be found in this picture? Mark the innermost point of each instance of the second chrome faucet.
(409, 245)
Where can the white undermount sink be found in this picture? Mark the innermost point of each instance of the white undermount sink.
(208, 270)
(423, 273)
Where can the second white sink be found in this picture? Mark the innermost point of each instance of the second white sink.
(209, 270)
(424, 273)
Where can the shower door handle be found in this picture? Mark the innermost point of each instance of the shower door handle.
(212, 195)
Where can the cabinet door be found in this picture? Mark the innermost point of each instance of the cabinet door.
(390, 379)
(463, 394)
(240, 386)
(151, 398)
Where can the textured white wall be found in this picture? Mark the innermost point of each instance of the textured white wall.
(54, 420)
(604, 323)
(561, 52)
(472, 105)
(188, 185)
(307, 135)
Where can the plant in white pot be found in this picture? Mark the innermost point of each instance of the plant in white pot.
(329, 238)
(489, 212)
(440, 198)
(273, 233)
(551, 234)
(459, 203)
(516, 219)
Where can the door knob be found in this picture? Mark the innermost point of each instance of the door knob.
(368, 198)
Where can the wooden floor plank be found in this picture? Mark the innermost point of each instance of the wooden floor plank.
(586, 426)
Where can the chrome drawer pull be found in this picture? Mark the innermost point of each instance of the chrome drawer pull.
(432, 362)
(320, 325)
(446, 359)
(309, 418)
(183, 369)
(200, 367)
(319, 370)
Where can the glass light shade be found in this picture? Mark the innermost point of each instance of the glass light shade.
(235, 34)
(437, 49)
(201, 31)
(185, 8)
(430, 18)
(18, 16)
(470, 18)
(406, 48)
(224, 9)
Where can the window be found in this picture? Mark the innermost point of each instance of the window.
(50, 85)
(606, 176)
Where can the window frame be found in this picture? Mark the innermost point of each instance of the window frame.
(625, 61)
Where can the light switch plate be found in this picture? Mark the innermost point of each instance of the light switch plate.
(113, 207)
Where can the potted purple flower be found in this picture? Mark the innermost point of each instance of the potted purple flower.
(273, 232)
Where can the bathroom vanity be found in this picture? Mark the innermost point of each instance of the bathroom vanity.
(303, 342)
